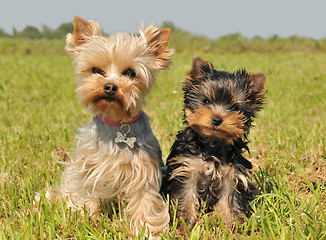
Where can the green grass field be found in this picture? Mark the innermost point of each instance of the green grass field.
(39, 110)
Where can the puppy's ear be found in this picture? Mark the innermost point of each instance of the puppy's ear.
(83, 32)
(199, 68)
(258, 81)
(157, 40)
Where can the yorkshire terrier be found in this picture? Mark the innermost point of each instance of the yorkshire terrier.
(205, 164)
(117, 155)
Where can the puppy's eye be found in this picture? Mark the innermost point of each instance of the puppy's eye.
(96, 70)
(129, 73)
(206, 101)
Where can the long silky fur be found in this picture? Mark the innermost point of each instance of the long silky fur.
(104, 170)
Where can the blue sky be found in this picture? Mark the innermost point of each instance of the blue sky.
(213, 18)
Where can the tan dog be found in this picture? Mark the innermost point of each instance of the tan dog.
(117, 154)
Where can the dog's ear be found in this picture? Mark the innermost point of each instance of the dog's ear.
(157, 40)
(83, 32)
(199, 68)
(258, 81)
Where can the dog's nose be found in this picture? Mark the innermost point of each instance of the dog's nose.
(110, 89)
(217, 121)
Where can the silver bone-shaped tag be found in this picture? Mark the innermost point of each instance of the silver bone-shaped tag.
(122, 136)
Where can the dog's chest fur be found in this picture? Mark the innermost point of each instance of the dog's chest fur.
(210, 169)
(110, 169)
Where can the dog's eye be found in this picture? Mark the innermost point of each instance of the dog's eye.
(206, 101)
(96, 70)
(129, 73)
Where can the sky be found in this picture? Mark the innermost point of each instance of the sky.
(212, 18)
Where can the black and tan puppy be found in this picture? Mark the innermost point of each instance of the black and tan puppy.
(206, 162)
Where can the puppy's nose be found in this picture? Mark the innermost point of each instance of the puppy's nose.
(217, 121)
(110, 89)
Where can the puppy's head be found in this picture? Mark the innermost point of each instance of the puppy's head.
(220, 104)
(115, 73)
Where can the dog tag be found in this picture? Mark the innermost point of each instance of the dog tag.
(122, 136)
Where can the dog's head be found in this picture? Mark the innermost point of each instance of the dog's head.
(220, 104)
(115, 73)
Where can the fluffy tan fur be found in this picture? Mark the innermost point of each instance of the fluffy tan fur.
(145, 54)
(103, 172)
(201, 120)
(101, 169)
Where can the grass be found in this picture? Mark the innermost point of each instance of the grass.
(39, 110)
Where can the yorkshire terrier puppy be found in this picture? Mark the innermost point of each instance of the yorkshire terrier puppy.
(117, 155)
(206, 163)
